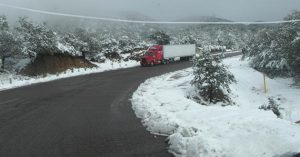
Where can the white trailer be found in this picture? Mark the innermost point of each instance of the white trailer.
(182, 51)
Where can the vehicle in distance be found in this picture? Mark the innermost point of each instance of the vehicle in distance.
(163, 54)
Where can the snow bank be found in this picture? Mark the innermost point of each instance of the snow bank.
(250, 90)
(232, 131)
(8, 81)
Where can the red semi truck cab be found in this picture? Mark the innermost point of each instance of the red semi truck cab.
(152, 56)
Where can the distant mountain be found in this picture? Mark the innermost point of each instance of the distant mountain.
(137, 16)
(202, 19)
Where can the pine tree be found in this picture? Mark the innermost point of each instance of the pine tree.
(211, 78)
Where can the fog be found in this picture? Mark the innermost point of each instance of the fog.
(163, 10)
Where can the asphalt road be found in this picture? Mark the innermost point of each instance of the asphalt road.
(86, 116)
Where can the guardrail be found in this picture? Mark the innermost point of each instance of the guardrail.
(228, 54)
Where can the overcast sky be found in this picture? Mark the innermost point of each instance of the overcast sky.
(237, 10)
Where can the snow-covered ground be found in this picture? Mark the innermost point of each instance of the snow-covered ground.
(8, 81)
(243, 130)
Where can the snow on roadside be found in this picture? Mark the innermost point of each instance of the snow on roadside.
(233, 131)
(250, 90)
(8, 81)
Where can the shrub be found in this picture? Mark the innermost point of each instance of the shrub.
(211, 78)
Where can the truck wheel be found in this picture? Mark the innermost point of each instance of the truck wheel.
(183, 58)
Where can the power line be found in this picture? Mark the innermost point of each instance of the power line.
(137, 21)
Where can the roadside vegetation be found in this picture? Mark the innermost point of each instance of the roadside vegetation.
(276, 51)
(212, 79)
(23, 41)
(272, 49)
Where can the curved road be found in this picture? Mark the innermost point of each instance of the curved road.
(85, 116)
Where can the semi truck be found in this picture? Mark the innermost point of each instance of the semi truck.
(163, 54)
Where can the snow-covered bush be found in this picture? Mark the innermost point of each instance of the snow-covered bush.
(275, 51)
(295, 15)
(273, 105)
(36, 38)
(110, 48)
(126, 44)
(211, 78)
(9, 44)
(73, 45)
(269, 51)
(3, 23)
(90, 44)
(160, 37)
(294, 56)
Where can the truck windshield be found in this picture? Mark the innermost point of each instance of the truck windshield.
(149, 53)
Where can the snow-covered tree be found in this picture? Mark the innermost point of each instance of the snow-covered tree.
(211, 78)
(295, 15)
(78, 45)
(274, 50)
(110, 48)
(294, 55)
(268, 52)
(9, 45)
(36, 38)
(160, 37)
(93, 47)
(274, 106)
(3, 23)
